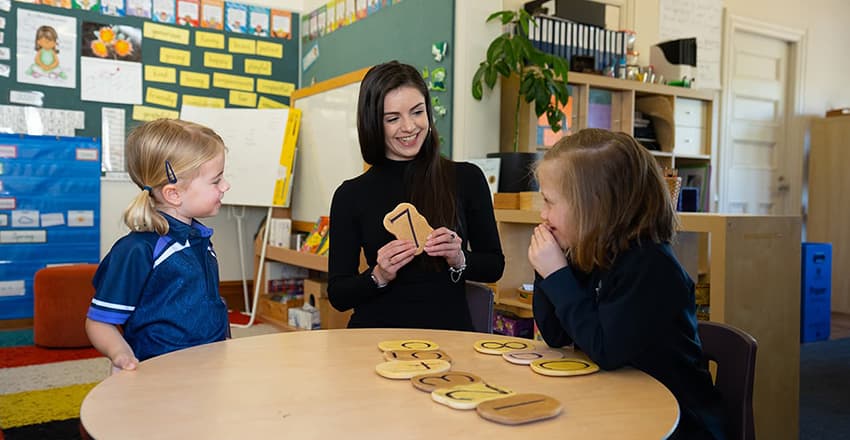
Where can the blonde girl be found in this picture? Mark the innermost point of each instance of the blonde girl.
(160, 281)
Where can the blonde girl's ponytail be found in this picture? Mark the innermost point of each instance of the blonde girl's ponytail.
(141, 215)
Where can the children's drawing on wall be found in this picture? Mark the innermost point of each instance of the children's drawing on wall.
(111, 63)
(112, 7)
(259, 18)
(138, 8)
(87, 5)
(163, 11)
(66, 4)
(52, 60)
(236, 16)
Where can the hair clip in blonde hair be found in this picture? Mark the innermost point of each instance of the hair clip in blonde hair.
(169, 173)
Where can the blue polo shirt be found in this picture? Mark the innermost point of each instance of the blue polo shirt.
(162, 289)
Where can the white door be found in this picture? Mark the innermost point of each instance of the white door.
(756, 140)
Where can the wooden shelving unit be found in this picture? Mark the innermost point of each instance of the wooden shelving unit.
(753, 267)
(276, 313)
(687, 137)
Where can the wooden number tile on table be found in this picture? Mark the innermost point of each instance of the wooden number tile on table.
(525, 357)
(416, 355)
(469, 396)
(499, 346)
(407, 344)
(564, 367)
(432, 381)
(519, 408)
(406, 223)
(408, 369)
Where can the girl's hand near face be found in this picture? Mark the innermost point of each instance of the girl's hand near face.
(392, 257)
(444, 242)
(544, 253)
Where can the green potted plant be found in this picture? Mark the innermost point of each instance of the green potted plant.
(542, 83)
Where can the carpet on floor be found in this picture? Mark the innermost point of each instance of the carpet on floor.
(825, 390)
(41, 389)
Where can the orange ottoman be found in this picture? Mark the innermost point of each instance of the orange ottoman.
(62, 295)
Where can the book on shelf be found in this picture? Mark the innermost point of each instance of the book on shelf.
(280, 231)
(317, 236)
(283, 185)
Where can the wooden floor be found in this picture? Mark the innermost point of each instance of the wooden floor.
(839, 326)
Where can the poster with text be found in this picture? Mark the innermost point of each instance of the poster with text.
(43, 57)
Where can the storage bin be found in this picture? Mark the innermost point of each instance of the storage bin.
(815, 291)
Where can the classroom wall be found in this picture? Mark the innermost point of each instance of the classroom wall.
(825, 22)
(475, 131)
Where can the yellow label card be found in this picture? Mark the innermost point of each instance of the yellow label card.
(160, 74)
(161, 97)
(270, 103)
(175, 56)
(145, 113)
(194, 79)
(242, 45)
(258, 67)
(244, 99)
(166, 33)
(209, 39)
(267, 49)
(218, 60)
(203, 101)
(225, 81)
(275, 87)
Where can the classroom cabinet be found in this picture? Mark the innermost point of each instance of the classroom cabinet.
(752, 265)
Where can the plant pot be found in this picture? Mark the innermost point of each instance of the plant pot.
(516, 171)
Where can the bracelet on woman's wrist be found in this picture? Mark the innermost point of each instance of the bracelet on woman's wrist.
(455, 273)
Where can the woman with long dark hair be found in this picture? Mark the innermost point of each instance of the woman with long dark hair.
(400, 288)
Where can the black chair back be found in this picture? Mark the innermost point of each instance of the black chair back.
(734, 351)
(480, 300)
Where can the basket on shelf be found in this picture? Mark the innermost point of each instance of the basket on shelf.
(674, 184)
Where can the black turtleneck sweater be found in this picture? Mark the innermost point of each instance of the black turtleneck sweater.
(421, 295)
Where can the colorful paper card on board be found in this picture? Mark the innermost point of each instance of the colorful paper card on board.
(212, 14)
(112, 7)
(269, 49)
(188, 13)
(236, 17)
(220, 61)
(259, 21)
(211, 40)
(281, 24)
(164, 11)
(138, 8)
(195, 80)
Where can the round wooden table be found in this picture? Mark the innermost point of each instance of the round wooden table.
(322, 385)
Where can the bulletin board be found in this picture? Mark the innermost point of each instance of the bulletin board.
(180, 64)
(49, 211)
(404, 31)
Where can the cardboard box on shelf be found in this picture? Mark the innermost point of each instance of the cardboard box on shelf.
(316, 294)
